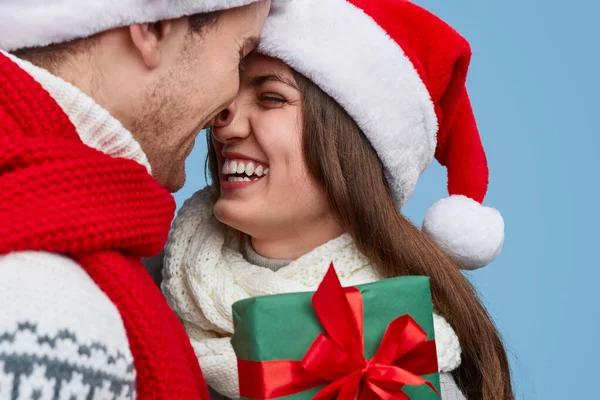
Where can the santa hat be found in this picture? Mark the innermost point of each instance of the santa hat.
(400, 73)
(32, 23)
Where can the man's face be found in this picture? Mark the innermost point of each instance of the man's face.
(197, 82)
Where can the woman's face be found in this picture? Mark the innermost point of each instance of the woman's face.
(266, 189)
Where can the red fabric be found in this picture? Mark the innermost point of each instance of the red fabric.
(59, 195)
(466, 161)
(336, 358)
(441, 56)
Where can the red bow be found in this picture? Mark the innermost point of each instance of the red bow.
(336, 359)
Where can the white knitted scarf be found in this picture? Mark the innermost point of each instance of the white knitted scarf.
(205, 273)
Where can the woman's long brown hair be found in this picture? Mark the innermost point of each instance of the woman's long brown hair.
(345, 165)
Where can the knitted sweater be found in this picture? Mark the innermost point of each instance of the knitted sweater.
(206, 271)
(61, 335)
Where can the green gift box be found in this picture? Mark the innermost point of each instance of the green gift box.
(339, 343)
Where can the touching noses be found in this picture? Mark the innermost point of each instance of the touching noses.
(230, 125)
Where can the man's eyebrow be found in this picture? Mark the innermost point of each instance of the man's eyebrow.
(256, 81)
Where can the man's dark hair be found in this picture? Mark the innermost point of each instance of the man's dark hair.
(199, 22)
(53, 56)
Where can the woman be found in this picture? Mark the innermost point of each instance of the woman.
(310, 170)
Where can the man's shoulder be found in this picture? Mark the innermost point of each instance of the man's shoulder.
(59, 331)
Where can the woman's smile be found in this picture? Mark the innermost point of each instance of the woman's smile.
(240, 173)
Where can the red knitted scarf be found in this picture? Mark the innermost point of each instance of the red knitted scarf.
(59, 195)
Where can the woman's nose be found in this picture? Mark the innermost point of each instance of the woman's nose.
(230, 125)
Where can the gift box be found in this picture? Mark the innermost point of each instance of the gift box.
(372, 341)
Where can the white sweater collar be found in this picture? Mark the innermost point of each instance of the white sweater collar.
(96, 127)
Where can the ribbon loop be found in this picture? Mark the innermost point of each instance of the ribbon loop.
(402, 336)
(335, 312)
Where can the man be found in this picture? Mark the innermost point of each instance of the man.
(100, 103)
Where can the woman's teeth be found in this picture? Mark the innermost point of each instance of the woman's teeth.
(249, 170)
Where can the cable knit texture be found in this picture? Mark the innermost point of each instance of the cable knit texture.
(61, 196)
(205, 273)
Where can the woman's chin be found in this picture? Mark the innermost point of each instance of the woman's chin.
(221, 211)
(234, 215)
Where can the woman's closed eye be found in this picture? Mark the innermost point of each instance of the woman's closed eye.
(271, 100)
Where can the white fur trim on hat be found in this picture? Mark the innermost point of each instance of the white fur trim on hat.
(350, 57)
(469, 232)
(32, 23)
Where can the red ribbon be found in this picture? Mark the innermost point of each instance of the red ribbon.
(336, 359)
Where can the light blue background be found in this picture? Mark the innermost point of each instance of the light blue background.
(534, 86)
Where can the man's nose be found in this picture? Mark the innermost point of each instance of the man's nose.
(223, 119)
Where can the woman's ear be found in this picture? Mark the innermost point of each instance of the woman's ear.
(148, 39)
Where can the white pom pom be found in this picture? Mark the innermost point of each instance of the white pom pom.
(469, 232)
